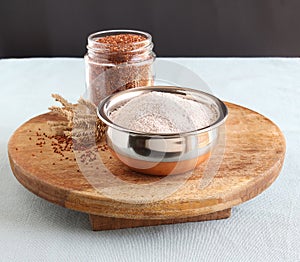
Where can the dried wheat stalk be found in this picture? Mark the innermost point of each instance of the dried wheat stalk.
(82, 122)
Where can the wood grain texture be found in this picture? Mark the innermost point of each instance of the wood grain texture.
(109, 223)
(253, 158)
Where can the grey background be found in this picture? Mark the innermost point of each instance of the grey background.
(179, 28)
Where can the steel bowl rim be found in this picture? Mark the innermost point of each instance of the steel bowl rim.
(220, 120)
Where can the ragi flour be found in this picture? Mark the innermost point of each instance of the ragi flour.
(159, 112)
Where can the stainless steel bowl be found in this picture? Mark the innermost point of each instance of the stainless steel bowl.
(161, 154)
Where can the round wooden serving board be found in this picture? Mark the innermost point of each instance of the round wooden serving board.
(253, 157)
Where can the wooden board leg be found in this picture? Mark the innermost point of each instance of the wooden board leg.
(108, 223)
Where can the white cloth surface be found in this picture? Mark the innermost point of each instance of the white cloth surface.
(266, 228)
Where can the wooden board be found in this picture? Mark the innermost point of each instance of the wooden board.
(253, 157)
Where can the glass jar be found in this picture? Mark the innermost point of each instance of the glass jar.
(118, 60)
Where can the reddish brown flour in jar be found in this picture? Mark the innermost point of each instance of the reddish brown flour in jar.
(118, 61)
